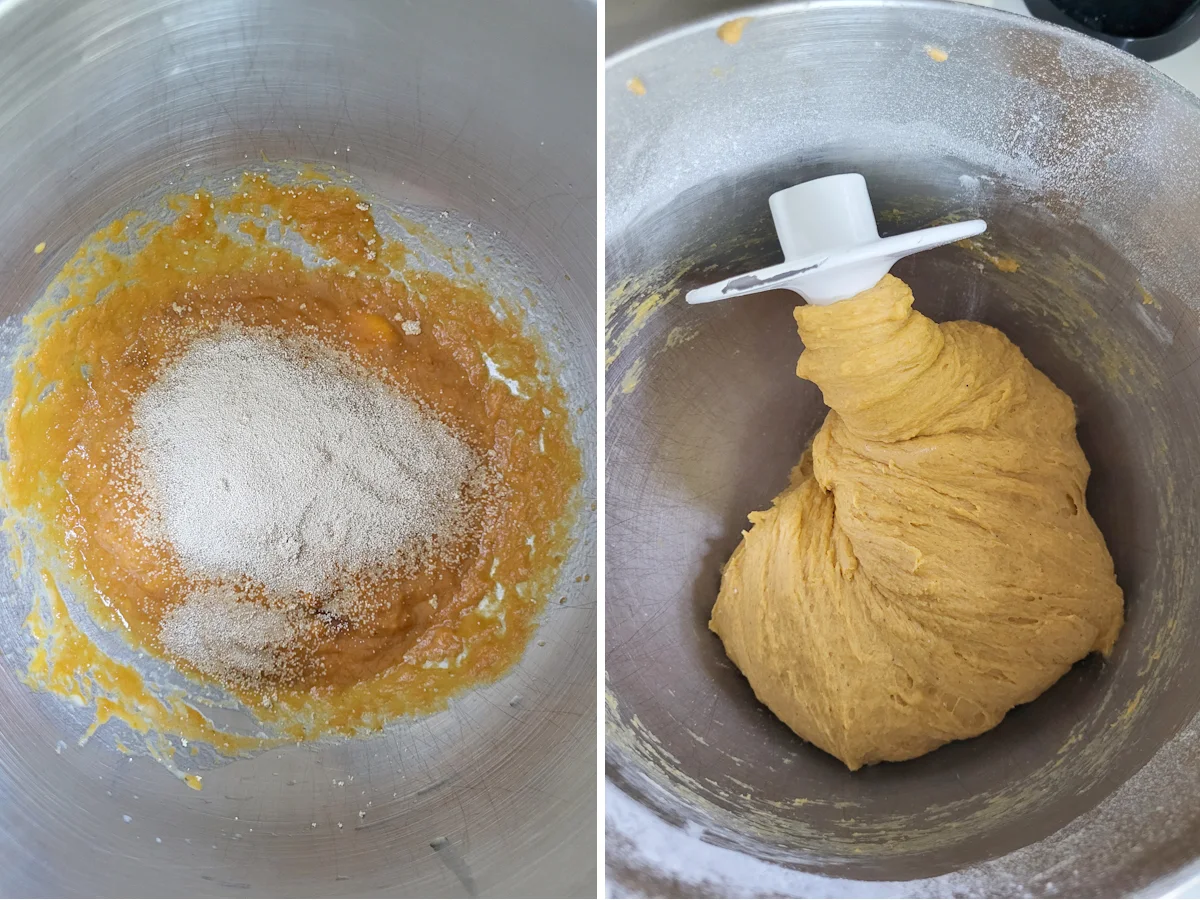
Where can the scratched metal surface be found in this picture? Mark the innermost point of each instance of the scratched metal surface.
(484, 110)
(1071, 152)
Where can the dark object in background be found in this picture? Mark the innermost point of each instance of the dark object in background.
(1149, 29)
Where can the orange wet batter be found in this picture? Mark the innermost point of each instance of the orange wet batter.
(434, 629)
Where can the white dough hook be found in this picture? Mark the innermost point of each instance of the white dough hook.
(831, 246)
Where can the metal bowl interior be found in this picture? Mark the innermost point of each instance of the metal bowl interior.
(487, 111)
(1070, 151)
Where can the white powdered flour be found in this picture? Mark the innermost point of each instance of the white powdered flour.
(288, 465)
(236, 640)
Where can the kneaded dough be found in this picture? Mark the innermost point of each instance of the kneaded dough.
(932, 563)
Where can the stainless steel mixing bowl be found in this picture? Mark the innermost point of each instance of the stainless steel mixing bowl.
(487, 110)
(1084, 163)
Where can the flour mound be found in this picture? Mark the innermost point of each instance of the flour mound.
(230, 638)
(290, 465)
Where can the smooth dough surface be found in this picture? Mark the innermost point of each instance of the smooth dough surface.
(932, 563)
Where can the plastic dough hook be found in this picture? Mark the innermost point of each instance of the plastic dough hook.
(831, 247)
